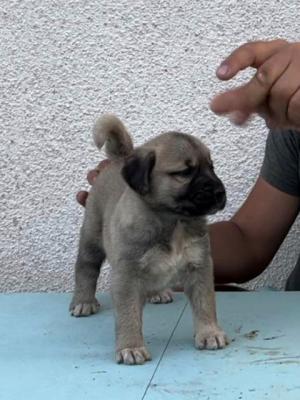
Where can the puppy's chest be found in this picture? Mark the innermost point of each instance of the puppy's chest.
(173, 258)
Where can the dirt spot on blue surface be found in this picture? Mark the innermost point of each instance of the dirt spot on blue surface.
(251, 335)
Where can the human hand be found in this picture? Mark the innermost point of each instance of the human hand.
(274, 91)
(91, 177)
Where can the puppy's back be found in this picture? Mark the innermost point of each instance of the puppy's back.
(107, 189)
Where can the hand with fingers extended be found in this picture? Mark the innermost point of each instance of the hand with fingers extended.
(91, 176)
(273, 92)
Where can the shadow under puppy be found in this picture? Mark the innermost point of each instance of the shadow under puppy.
(146, 215)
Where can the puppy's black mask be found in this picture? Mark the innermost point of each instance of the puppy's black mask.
(203, 195)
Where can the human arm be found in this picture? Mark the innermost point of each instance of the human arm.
(244, 246)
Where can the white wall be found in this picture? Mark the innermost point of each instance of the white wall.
(151, 62)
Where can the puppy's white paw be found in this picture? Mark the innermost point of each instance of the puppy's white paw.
(163, 297)
(84, 309)
(211, 338)
(133, 356)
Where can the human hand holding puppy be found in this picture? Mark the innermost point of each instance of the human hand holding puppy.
(274, 91)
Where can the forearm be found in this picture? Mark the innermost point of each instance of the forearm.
(234, 258)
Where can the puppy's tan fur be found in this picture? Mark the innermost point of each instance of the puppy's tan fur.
(146, 215)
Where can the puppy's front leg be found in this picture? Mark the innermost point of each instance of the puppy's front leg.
(199, 288)
(129, 301)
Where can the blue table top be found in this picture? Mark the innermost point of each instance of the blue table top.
(46, 354)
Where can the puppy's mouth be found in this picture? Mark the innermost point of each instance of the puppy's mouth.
(201, 200)
(201, 208)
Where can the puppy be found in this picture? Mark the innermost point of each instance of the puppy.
(146, 215)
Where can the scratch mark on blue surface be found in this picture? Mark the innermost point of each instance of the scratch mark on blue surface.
(163, 353)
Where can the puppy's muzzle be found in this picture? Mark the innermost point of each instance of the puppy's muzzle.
(208, 194)
(205, 194)
(220, 196)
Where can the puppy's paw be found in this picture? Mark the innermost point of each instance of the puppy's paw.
(163, 297)
(84, 309)
(133, 356)
(211, 338)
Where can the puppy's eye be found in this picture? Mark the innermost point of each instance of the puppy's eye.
(185, 173)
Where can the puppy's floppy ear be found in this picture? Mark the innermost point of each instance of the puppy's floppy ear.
(137, 170)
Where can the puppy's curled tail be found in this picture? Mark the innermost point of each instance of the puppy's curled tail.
(109, 130)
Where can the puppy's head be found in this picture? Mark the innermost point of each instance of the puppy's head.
(174, 173)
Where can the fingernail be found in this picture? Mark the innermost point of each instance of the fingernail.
(223, 70)
(238, 117)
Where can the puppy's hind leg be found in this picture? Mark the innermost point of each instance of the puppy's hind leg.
(90, 258)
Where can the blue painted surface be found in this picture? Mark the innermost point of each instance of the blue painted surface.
(262, 362)
(45, 354)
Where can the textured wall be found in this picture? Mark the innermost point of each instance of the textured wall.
(152, 63)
